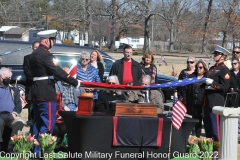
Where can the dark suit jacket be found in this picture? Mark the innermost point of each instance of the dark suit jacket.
(117, 69)
(28, 74)
(100, 70)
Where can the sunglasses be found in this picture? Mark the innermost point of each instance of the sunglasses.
(200, 67)
(84, 59)
(190, 62)
(234, 63)
(235, 52)
(111, 83)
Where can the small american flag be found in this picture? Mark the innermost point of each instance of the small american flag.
(163, 61)
(178, 113)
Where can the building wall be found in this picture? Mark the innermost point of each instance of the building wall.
(25, 37)
(13, 37)
(33, 35)
(135, 42)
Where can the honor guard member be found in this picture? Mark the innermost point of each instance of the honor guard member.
(218, 82)
(45, 72)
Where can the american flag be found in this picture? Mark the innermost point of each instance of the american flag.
(178, 113)
(163, 61)
(73, 70)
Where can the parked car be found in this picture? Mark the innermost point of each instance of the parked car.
(12, 53)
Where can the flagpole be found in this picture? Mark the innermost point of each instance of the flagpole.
(170, 141)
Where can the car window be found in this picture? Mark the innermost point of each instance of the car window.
(68, 60)
(107, 63)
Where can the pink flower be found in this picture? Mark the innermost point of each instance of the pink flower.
(50, 142)
(30, 139)
(191, 141)
(13, 138)
(41, 135)
(36, 143)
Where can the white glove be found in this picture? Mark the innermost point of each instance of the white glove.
(79, 83)
(209, 81)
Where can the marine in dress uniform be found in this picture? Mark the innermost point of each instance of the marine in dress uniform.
(218, 82)
(45, 72)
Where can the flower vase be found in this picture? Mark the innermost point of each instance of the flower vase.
(48, 155)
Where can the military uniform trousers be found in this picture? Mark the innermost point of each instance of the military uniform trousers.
(44, 119)
(211, 124)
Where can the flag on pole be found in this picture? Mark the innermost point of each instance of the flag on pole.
(178, 113)
(163, 61)
(175, 99)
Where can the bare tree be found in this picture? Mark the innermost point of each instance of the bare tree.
(207, 19)
(229, 15)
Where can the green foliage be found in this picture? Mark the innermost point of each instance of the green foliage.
(47, 142)
(68, 41)
(23, 143)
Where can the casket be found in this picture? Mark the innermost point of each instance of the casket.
(134, 109)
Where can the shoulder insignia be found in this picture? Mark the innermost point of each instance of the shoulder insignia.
(227, 76)
(55, 62)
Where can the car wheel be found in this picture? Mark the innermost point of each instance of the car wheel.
(162, 95)
(21, 89)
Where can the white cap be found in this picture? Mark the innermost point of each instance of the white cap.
(221, 50)
(47, 33)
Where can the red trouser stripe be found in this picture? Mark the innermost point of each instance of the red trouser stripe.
(218, 132)
(49, 116)
(115, 120)
(159, 135)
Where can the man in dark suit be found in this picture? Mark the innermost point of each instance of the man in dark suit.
(29, 80)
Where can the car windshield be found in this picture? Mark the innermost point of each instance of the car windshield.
(69, 60)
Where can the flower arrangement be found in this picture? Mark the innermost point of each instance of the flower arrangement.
(192, 146)
(23, 145)
(203, 147)
(48, 144)
(206, 148)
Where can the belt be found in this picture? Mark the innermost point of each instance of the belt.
(5, 112)
(42, 78)
(210, 88)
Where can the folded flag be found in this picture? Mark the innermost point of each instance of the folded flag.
(178, 113)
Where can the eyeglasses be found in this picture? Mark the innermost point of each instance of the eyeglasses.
(234, 63)
(84, 59)
(235, 52)
(200, 67)
(111, 83)
(190, 62)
